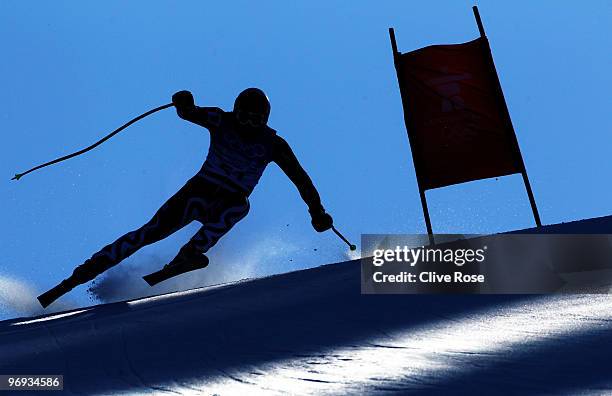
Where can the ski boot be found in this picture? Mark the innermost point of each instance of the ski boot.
(186, 260)
(82, 274)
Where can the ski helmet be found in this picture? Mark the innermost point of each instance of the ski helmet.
(252, 107)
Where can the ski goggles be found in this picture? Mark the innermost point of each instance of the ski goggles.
(250, 118)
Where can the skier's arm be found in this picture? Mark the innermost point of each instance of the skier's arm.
(289, 164)
(187, 110)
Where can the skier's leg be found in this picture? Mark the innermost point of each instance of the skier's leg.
(183, 207)
(176, 213)
(163, 223)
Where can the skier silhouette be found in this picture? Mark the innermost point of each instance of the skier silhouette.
(241, 146)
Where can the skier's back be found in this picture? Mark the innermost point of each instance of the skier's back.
(241, 146)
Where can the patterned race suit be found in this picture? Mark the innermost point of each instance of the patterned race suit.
(217, 196)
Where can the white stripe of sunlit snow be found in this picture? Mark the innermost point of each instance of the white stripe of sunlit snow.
(50, 317)
(419, 354)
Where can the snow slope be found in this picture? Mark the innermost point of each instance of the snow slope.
(312, 332)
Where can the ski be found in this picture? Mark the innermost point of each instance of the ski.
(48, 297)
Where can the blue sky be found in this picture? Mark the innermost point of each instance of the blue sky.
(73, 71)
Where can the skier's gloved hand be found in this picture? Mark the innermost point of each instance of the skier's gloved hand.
(321, 221)
(183, 100)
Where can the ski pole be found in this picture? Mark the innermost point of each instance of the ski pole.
(351, 246)
(96, 144)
